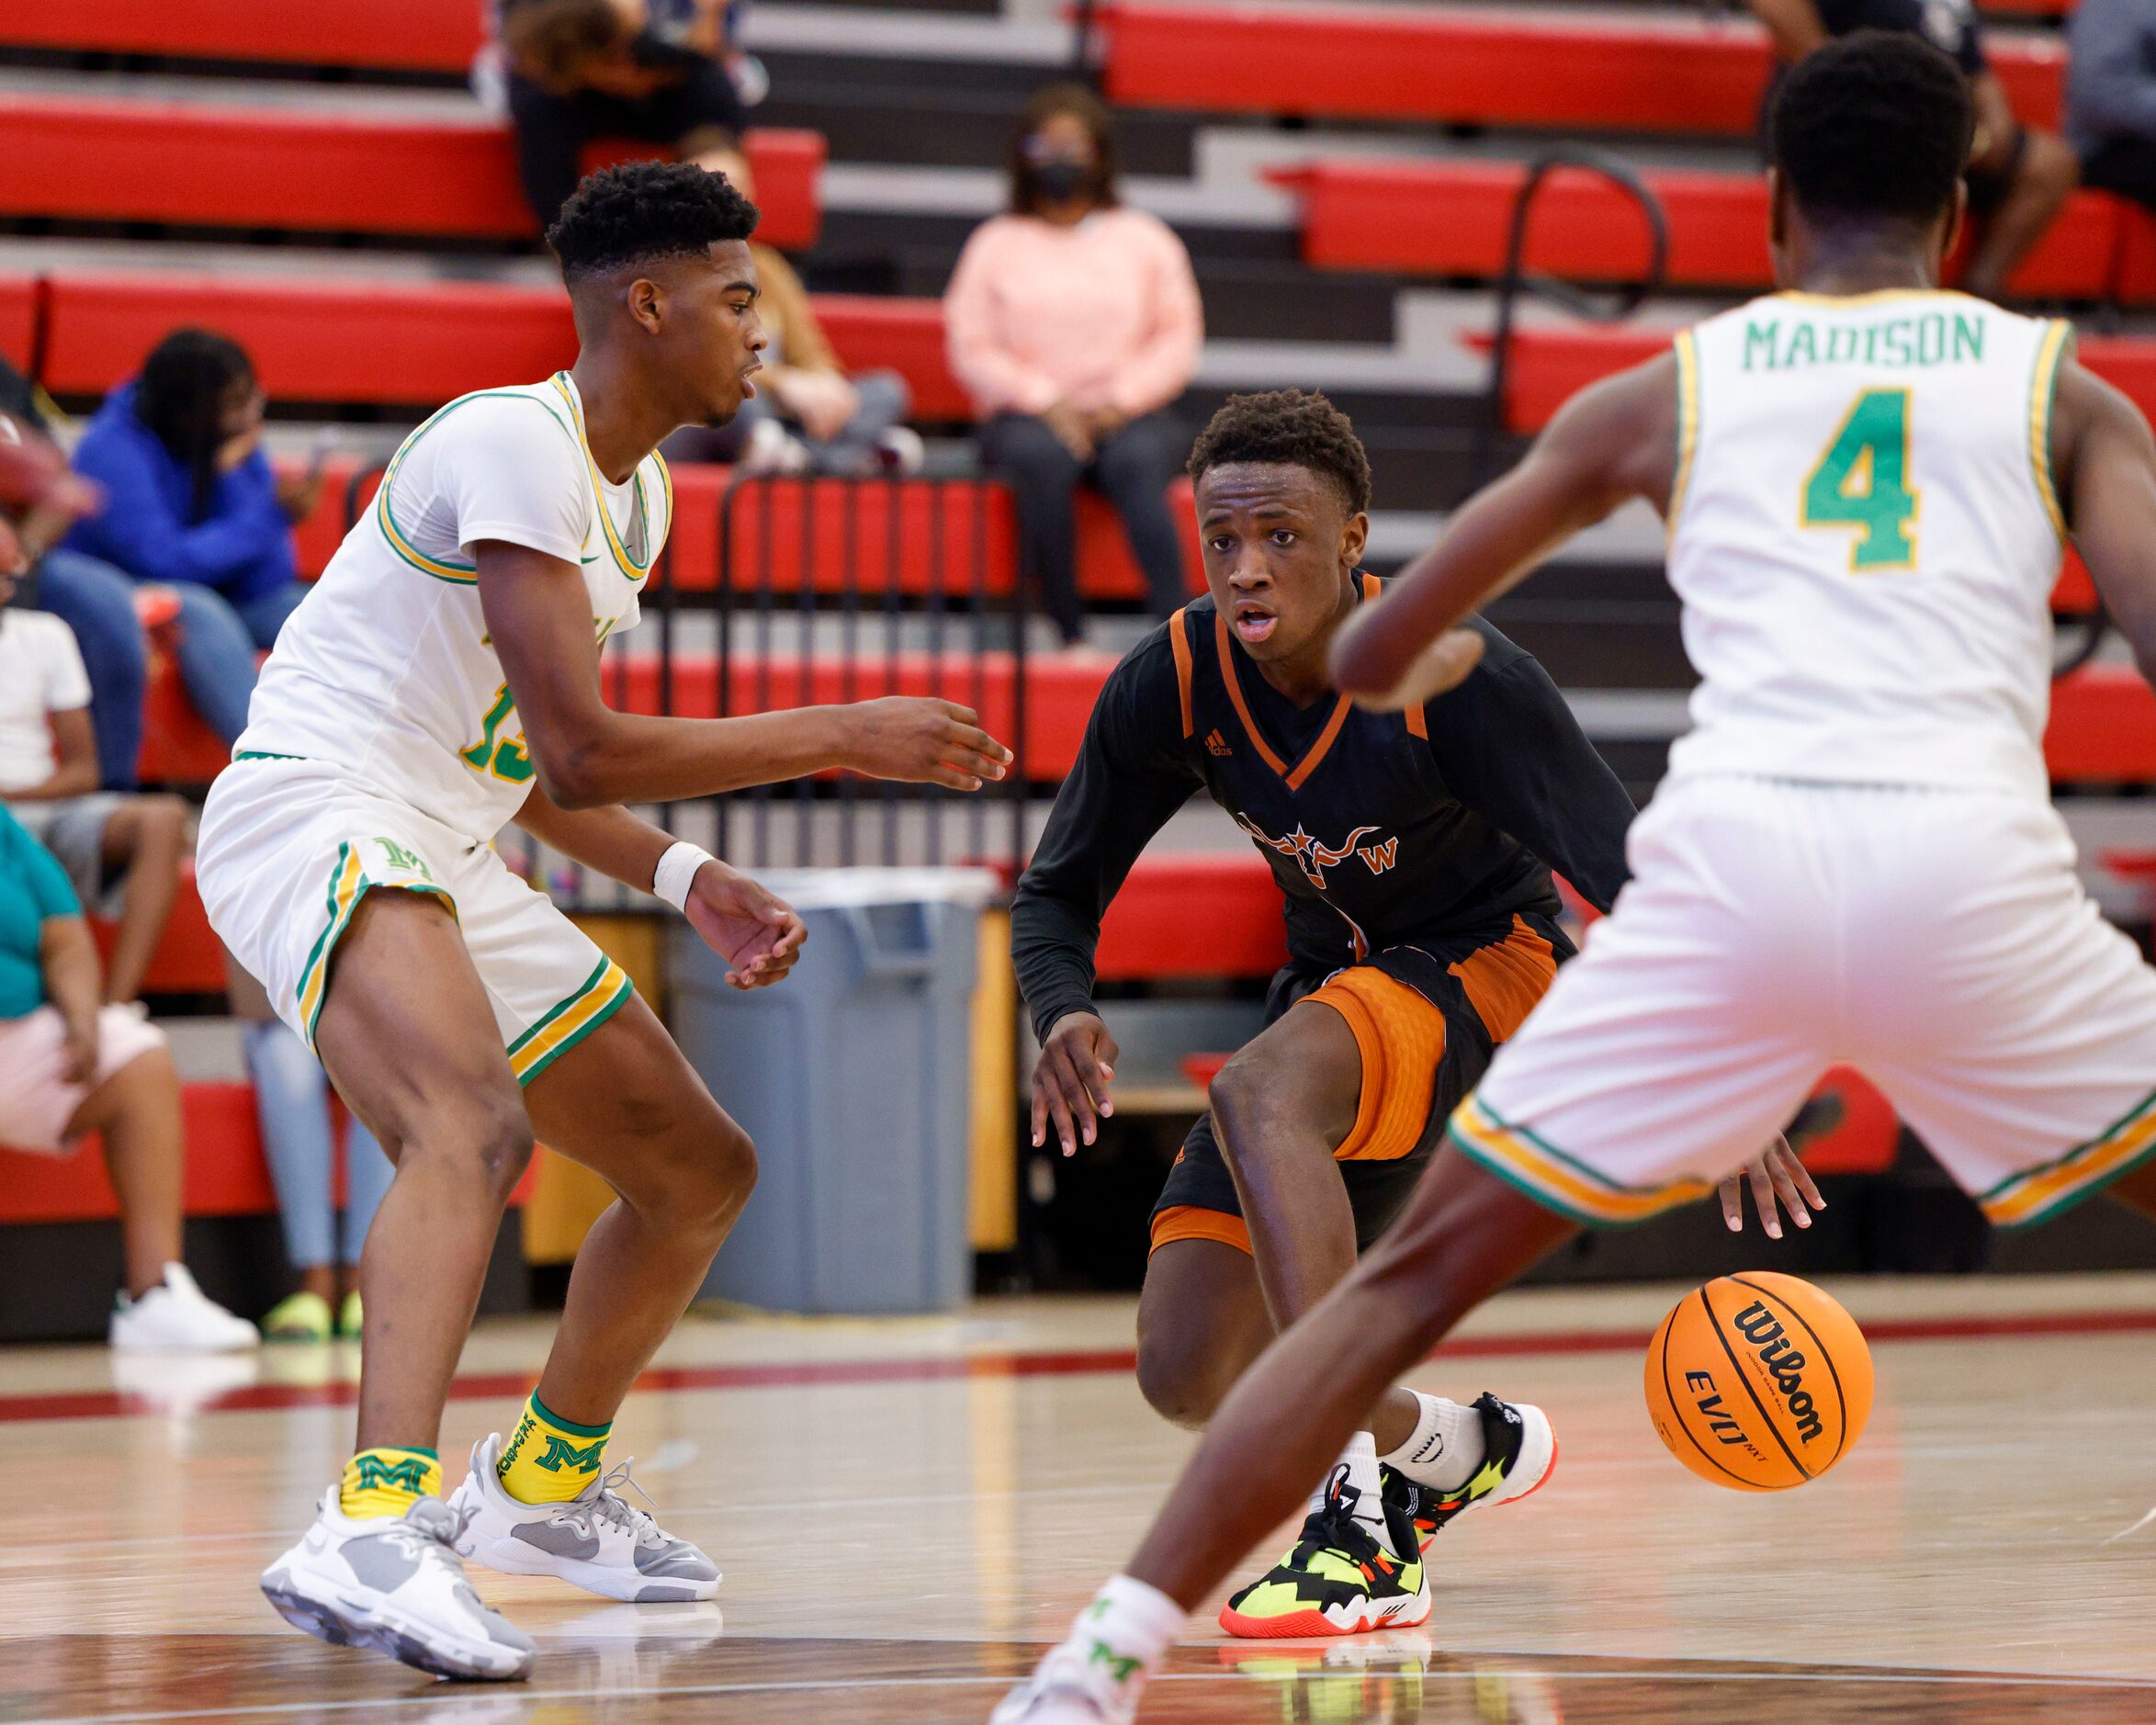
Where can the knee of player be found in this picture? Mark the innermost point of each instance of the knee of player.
(501, 1145)
(706, 1185)
(1241, 1094)
(1176, 1377)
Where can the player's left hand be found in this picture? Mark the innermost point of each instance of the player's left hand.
(756, 933)
(1774, 1172)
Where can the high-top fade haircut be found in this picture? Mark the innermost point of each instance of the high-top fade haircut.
(1292, 428)
(1874, 126)
(643, 211)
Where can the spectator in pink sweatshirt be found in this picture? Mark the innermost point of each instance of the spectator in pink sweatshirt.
(1074, 323)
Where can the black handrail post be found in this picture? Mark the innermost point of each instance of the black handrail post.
(1516, 280)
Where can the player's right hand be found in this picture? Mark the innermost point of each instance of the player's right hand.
(923, 741)
(1070, 1080)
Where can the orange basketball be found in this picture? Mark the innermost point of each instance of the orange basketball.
(1758, 1381)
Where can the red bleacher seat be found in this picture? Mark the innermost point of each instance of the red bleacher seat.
(226, 1174)
(1548, 366)
(20, 296)
(1149, 933)
(1106, 569)
(397, 343)
(901, 335)
(1451, 217)
(2102, 726)
(189, 958)
(227, 165)
(393, 35)
(1462, 66)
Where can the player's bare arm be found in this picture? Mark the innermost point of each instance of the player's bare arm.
(1614, 442)
(2105, 461)
(586, 754)
(758, 933)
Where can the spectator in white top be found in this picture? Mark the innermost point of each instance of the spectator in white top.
(122, 849)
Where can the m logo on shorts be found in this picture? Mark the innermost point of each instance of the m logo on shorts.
(408, 1475)
(399, 858)
(561, 1454)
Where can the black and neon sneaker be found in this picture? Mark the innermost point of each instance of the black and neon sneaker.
(1338, 1579)
(1519, 1451)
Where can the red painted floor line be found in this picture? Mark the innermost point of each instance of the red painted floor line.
(513, 1386)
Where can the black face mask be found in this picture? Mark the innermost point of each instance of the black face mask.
(1061, 180)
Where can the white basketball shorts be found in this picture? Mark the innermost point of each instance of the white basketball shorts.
(1937, 940)
(289, 848)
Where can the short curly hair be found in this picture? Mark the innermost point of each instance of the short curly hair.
(642, 211)
(1295, 428)
(1875, 124)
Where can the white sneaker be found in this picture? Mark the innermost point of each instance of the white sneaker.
(597, 1540)
(395, 1585)
(771, 448)
(1072, 1686)
(177, 1317)
(902, 451)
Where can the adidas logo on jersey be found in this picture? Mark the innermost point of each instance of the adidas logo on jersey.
(1215, 744)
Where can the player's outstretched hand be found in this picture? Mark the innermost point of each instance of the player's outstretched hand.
(758, 935)
(1070, 1080)
(1774, 1172)
(923, 741)
(1444, 664)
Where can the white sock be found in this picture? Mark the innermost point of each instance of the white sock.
(1131, 1621)
(1357, 1469)
(1445, 1448)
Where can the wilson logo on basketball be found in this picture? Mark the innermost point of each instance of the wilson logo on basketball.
(1784, 1363)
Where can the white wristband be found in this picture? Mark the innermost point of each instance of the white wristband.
(677, 869)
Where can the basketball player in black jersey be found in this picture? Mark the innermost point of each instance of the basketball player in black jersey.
(1414, 852)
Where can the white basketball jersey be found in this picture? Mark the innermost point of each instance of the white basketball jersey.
(1865, 535)
(387, 670)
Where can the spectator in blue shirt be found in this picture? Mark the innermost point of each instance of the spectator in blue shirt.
(191, 504)
(70, 1067)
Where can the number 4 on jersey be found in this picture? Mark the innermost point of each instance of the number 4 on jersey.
(1862, 481)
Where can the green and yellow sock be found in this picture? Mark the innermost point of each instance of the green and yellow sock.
(387, 1480)
(550, 1459)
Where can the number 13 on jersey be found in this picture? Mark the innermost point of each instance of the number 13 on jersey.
(1861, 482)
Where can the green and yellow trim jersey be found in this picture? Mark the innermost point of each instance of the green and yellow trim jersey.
(1865, 539)
(387, 672)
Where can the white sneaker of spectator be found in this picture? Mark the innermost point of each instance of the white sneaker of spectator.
(771, 448)
(177, 1317)
(902, 451)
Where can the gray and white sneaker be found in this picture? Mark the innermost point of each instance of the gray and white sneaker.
(597, 1540)
(397, 1587)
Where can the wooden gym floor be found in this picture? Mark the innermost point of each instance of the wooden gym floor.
(906, 1510)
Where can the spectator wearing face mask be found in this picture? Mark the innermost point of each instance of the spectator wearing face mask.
(191, 504)
(1073, 322)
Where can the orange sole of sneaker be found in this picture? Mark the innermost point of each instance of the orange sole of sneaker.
(1299, 1626)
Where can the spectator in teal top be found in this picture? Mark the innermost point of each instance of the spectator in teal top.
(70, 1067)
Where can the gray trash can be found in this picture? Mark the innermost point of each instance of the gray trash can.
(854, 1076)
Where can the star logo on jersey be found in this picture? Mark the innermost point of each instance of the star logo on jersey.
(1314, 858)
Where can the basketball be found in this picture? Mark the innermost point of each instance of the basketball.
(1758, 1381)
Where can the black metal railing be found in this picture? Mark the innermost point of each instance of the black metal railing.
(829, 590)
(834, 590)
(1606, 306)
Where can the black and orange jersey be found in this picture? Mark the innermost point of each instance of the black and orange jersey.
(1383, 829)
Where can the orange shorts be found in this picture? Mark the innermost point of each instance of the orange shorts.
(1424, 1029)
